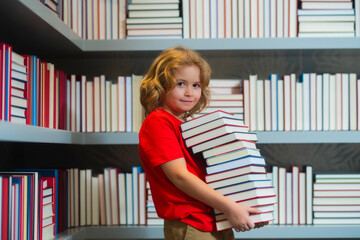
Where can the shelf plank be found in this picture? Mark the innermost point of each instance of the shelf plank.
(24, 133)
(268, 232)
(309, 137)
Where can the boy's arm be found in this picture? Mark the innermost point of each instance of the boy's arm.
(237, 214)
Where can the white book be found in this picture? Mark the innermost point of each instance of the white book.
(108, 18)
(192, 19)
(293, 21)
(357, 17)
(234, 20)
(102, 104)
(96, 104)
(282, 196)
(107, 196)
(293, 101)
(254, 30)
(204, 119)
(122, 198)
(221, 18)
(114, 107)
(235, 172)
(241, 18)
(95, 202)
(262, 217)
(345, 94)
(82, 197)
(95, 22)
(289, 209)
(142, 198)
(153, 6)
(280, 104)
(309, 194)
(275, 182)
(253, 102)
(186, 18)
(338, 104)
(83, 103)
(306, 101)
(326, 102)
(129, 199)
(73, 103)
(286, 20)
(327, 5)
(153, 13)
(139, 114)
(302, 198)
(280, 18)
(295, 195)
(326, 27)
(267, 19)
(247, 17)
(274, 102)
(233, 155)
(213, 19)
(313, 98)
(102, 19)
(232, 146)
(108, 105)
(114, 202)
(352, 102)
(246, 92)
(260, 106)
(332, 103)
(358, 104)
(267, 104)
(287, 103)
(89, 197)
(326, 18)
(199, 19)
(115, 19)
(299, 106)
(135, 191)
(206, 22)
(319, 103)
(228, 10)
(128, 104)
(121, 108)
(251, 177)
(261, 19)
(321, 12)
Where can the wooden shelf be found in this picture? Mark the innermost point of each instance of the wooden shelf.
(268, 232)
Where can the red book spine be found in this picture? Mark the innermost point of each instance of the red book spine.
(2, 65)
(5, 208)
(27, 88)
(8, 89)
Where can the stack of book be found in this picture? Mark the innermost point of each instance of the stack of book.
(226, 95)
(337, 198)
(235, 167)
(152, 217)
(154, 19)
(19, 89)
(326, 19)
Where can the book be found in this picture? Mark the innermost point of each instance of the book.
(191, 123)
(229, 147)
(256, 218)
(217, 132)
(327, 5)
(238, 179)
(235, 172)
(229, 156)
(153, 13)
(241, 162)
(211, 125)
(230, 137)
(244, 186)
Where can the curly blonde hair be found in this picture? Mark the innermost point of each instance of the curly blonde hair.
(159, 80)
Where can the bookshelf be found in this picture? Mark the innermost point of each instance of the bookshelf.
(48, 37)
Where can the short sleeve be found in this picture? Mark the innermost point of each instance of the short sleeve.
(160, 141)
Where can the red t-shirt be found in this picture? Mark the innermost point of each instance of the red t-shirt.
(160, 141)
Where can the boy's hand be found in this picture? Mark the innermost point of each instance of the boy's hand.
(239, 216)
(261, 224)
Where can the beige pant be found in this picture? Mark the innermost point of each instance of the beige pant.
(176, 230)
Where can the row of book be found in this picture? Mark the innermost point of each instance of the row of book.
(328, 19)
(34, 92)
(336, 199)
(154, 19)
(294, 189)
(119, 19)
(39, 203)
(315, 102)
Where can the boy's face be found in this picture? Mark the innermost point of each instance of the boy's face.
(186, 93)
